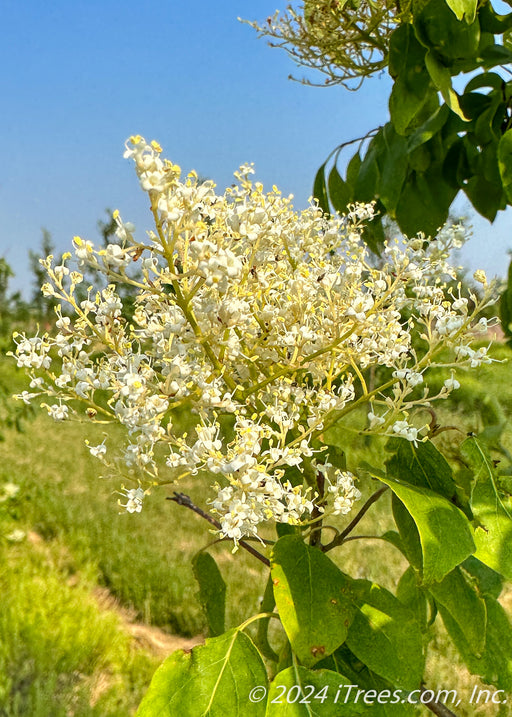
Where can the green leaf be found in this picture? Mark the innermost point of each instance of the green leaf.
(485, 79)
(214, 680)
(456, 596)
(353, 168)
(313, 598)
(410, 595)
(410, 89)
(336, 456)
(453, 41)
(399, 44)
(385, 636)
(393, 538)
(505, 162)
(463, 9)
(368, 175)
(352, 671)
(420, 158)
(493, 23)
(495, 55)
(445, 533)
(429, 128)
(286, 529)
(488, 125)
(267, 605)
(286, 700)
(212, 592)
(490, 166)
(486, 197)
(167, 681)
(373, 233)
(473, 105)
(489, 581)
(425, 201)
(442, 79)
(410, 543)
(495, 663)
(493, 536)
(394, 169)
(421, 465)
(320, 190)
(456, 165)
(340, 193)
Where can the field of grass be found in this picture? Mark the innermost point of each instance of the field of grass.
(62, 652)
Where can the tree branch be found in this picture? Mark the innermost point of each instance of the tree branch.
(437, 707)
(183, 499)
(338, 540)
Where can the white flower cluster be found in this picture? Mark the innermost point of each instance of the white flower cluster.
(258, 322)
(340, 487)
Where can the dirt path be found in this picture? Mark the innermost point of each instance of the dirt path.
(148, 637)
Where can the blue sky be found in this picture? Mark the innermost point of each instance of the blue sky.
(78, 78)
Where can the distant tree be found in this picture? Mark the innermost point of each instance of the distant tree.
(42, 306)
(6, 273)
(107, 228)
(12, 311)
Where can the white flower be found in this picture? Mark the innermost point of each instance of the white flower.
(84, 252)
(375, 420)
(134, 498)
(26, 397)
(344, 492)
(64, 324)
(98, 451)
(413, 378)
(403, 429)
(480, 276)
(452, 384)
(133, 385)
(479, 357)
(61, 271)
(449, 325)
(58, 412)
(360, 306)
(115, 256)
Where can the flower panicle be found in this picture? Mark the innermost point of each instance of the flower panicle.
(244, 307)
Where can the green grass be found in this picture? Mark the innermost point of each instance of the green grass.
(61, 651)
(143, 559)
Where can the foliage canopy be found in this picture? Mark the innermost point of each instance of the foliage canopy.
(442, 137)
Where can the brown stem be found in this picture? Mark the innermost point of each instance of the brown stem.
(437, 707)
(338, 540)
(183, 499)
